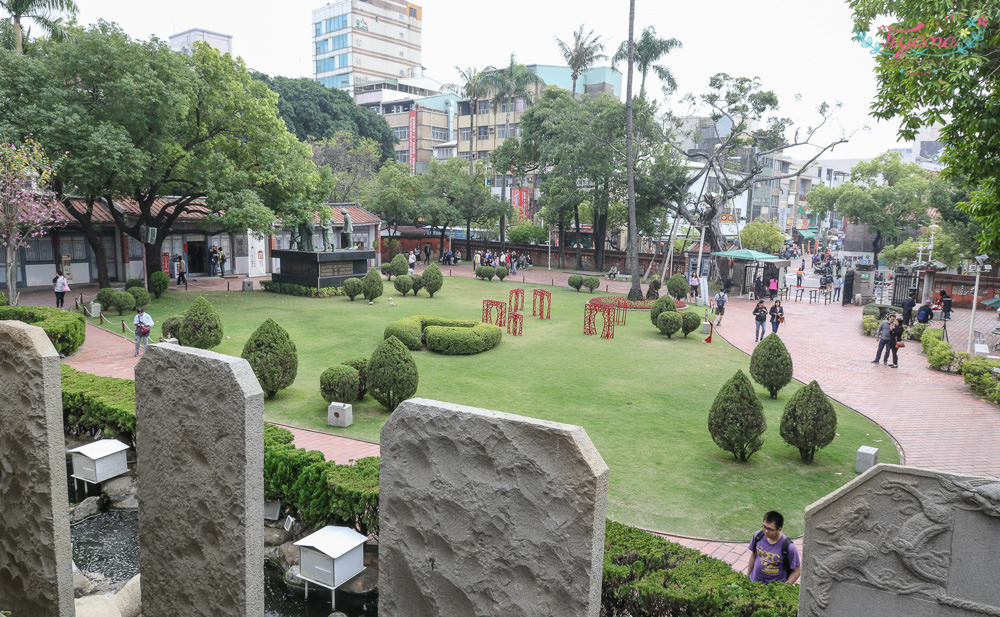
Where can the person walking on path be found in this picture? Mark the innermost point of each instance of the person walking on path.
(884, 334)
(143, 324)
(181, 271)
(760, 321)
(908, 305)
(427, 254)
(777, 315)
(62, 286)
(772, 288)
(773, 556)
(896, 341)
(694, 283)
(837, 284)
(720, 306)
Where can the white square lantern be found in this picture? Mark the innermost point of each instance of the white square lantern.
(331, 556)
(100, 461)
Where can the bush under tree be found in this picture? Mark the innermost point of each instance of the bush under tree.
(677, 286)
(170, 326)
(669, 322)
(736, 420)
(665, 303)
(159, 281)
(353, 288)
(141, 296)
(371, 286)
(432, 279)
(104, 296)
(130, 283)
(392, 373)
(575, 281)
(272, 356)
(809, 421)
(690, 322)
(486, 273)
(340, 383)
(502, 272)
(417, 281)
(771, 364)
(202, 326)
(361, 366)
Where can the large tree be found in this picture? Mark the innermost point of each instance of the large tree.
(474, 86)
(394, 195)
(42, 12)
(581, 54)
(351, 163)
(921, 87)
(647, 51)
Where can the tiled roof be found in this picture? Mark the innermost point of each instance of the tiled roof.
(193, 211)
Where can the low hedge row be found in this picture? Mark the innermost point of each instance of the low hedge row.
(645, 575)
(93, 404)
(66, 330)
(291, 289)
(447, 336)
(939, 352)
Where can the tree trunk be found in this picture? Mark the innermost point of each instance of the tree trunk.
(632, 255)
(669, 255)
(652, 262)
(579, 238)
(153, 262)
(468, 239)
(600, 235)
(562, 241)
(11, 274)
(503, 214)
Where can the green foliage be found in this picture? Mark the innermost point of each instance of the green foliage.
(361, 366)
(94, 404)
(525, 232)
(392, 373)
(690, 322)
(502, 272)
(979, 376)
(275, 435)
(121, 301)
(575, 281)
(447, 336)
(159, 282)
(272, 356)
(130, 283)
(171, 326)
(669, 322)
(104, 296)
(809, 421)
(291, 289)
(408, 330)
(432, 279)
(916, 331)
(202, 326)
(736, 420)
(403, 284)
(340, 383)
(397, 267)
(869, 325)
(141, 296)
(417, 282)
(930, 337)
(485, 273)
(66, 330)
(371, 286)
(771, 364)
(762, 235)
(677, 286)
(871, 310)
(353, 288)
(591, 283)
(662, 304)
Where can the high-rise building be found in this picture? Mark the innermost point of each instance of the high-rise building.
(184, 41)
(362, 41)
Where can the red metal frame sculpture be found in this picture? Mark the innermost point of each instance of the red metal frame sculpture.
(514, 324)
(500, 306)
(590, 312)
(515, 300)
(538, 304)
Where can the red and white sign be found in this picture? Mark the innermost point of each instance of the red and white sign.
(520, 201)
(165, 262)
(412, 132)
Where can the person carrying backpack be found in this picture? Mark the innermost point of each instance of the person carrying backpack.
(773, 556)
(720, 306)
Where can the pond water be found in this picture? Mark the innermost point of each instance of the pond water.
(109, 543)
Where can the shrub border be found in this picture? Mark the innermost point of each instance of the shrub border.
(66, 330)
(444, 335)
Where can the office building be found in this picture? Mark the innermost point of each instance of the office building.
(184, 41)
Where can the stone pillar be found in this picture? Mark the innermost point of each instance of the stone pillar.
(200, 462)
(36, 571)
(483, 511)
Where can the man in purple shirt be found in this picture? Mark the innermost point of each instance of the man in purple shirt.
(773, 556)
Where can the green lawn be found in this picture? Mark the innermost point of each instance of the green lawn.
(642, 398)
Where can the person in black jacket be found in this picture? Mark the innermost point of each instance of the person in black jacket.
(925, 314)
(760, 321)
(908, 305)
(896, 332)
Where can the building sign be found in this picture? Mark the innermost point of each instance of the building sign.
(165, 262)
(67, 267)
(954, 34)
(520, 201)
(727, 218)
(412, 153)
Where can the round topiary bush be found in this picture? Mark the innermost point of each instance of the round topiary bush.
(669, 322)
(665, 303)
(353, 288)
(736, 420)
(159, 281)
(340, 383)
(392, 373)
(809, 421)
(361, 366)
(130, 283)
(486, 273)
(502, 272)
(171, 326)
(575, 281)
(122, 301)
(141, 296)
(771, 364)
(202, 326)
(403, 284)
(417, 281)
(432, 279)
(272, 356)
(371, 286)
(104, 296)
(677, 286)
(591, 283)
(690, 322)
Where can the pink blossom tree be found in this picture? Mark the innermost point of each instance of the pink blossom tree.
(27, 209)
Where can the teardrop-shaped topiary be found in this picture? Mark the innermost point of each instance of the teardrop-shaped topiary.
(371, 286)
(664, 303)
(736, 420)
(432, 279)
(353, 288)
(809, 421)
(361, 366)
(392, 373)
(272, 356)
(202, 326)
(403, 284)
(771, 364)
(691, 322)
(677, 286)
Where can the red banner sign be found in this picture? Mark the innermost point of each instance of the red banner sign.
(165, 262)
(412, 132)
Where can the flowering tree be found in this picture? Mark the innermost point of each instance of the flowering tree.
(26, 210)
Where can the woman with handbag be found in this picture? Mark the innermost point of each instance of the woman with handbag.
(896, 332)
(777, 315)
(143, 324)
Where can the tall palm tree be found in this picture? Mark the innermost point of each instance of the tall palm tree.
(474, 86)
(647, 51)
(39, 11)
(584, 53)
(632, 254)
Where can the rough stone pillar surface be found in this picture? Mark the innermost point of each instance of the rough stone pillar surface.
(486, 513)
(903, 541)
(200, 461)
(36, 561)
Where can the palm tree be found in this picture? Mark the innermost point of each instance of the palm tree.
(648, 50)
(39, 12)
(632, 254)
(474, 86)
(583, 54)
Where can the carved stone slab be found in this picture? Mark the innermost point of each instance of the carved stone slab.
(904, 541)
(486, 513)
(36, 571)
(200, 462)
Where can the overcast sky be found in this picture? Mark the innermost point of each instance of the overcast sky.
(796, 47)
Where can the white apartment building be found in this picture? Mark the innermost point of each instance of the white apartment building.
(184, 41)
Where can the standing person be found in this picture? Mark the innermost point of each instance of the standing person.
(908, 305)
(61, 287)
(884, 334)
(181, 271)
(945, 305)
(694, 283)
(213, 261)
(837, 284)
(427, 254)
(720, 306)
(772, 288)
(760, 321)
(773, 556)
(798, 277)
(758, 287)
(411, 261)
(777, 314)
(143, 323)
(896, 341)
(222, 262)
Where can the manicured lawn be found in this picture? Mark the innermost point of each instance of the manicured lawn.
(642, 398)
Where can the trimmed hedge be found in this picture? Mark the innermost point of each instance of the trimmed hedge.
(104, 295)
(486, 273)
(141, 296)
(663, 303)
(291, 289)
(352, 288)
(93, 404)
(432, 279)
(591, 283)
(668, 322)
(133, 283)
(403, 284)
(66, 330)
(340, 383)
(121, 301)
(502, 272)
(202, 326)
(392, 374)
(447, 336)
(159, 281)
(690, 321)
(361, 366)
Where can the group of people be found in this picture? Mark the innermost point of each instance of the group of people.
(925, 313)
(512, 260)
(217, 261)
(761, 314)
(890, 339)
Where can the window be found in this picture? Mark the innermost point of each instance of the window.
(341, 61)
(774, 200)
(321, 47)
(338, 42)
(502, 131)
(331, 64)
(401, 132)
(402, 156)
(439, 133)
(484, 155)
(134, 249)
(508, 105)
(465, 134)
(336, 81)
(517, 130)
(319, 28)
(465, 156)
(40, 249)
(336, 23)
(413, 12)
(482, 132)
(483, 107)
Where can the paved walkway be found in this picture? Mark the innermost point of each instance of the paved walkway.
(935, 420)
